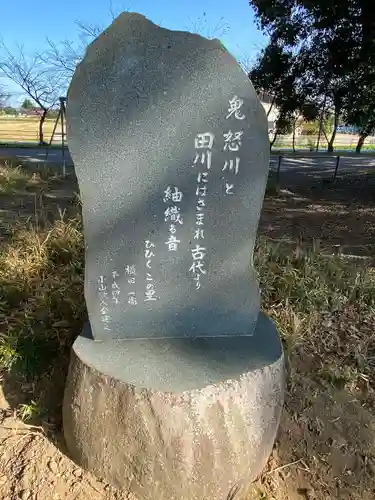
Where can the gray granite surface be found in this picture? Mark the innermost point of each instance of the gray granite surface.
(176, 365)
(181, 419)
(171, 152)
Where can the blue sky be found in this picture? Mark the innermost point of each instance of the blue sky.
(29, 23)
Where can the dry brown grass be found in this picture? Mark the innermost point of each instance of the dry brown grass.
(14, 179)
(42, 290)
(23, 129)
(324, 307)
(325, 311)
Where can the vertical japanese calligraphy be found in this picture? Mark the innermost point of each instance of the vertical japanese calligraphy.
(133, 289)
(202, 162)
(232, 144)
(150, 291)
(131, 273)
(173, 216)
(115, 288)
(103, 303)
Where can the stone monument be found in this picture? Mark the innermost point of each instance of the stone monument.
(176, 383)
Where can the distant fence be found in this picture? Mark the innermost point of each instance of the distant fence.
(344, 142)
(18, 130)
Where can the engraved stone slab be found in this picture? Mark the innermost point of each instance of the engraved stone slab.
(171, 152)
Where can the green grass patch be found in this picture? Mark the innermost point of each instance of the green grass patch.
(280, 146)
(29, 412)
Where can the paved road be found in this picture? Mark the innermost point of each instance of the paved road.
(37, 155)
(323, 165)
(319, 164)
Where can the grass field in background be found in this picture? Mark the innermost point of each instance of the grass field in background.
(338, 147)
(24, 130)
(343, 142)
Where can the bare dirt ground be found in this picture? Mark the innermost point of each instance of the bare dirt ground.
(325, 450)
(326, 443)
(339, 216)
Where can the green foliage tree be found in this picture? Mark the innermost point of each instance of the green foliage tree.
(276, 72)
(8, 110)
(360, 111)
(331, 42)
(272, 72)
(28, 104)
(312, 127)
(4, 96)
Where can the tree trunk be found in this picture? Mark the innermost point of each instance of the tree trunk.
(273, 140)
(294, 135)
(332, 140)
(321, 122)
(272, 103)
(361, 141)
(41, 123)
(333, 137)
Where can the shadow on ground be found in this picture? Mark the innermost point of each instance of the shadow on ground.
(325, 447)
(339, 215)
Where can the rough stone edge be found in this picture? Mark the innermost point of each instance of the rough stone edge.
(81, 375)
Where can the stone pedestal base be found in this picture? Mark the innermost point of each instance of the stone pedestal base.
(175, 419)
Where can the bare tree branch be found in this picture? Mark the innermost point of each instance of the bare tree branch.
(111, 10)
(91, 30)
(33, 76)
(202, 28)
(4, 96)
(61, 58)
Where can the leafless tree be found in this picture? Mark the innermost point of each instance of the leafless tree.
(63, 56)
(202, 27)
(33, 76)
(89, 31)
(4, 96)
(247, 59)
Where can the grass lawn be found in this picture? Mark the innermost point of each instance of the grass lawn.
(338, 148)
(343, 142)
(324, 307)
(24, 130)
